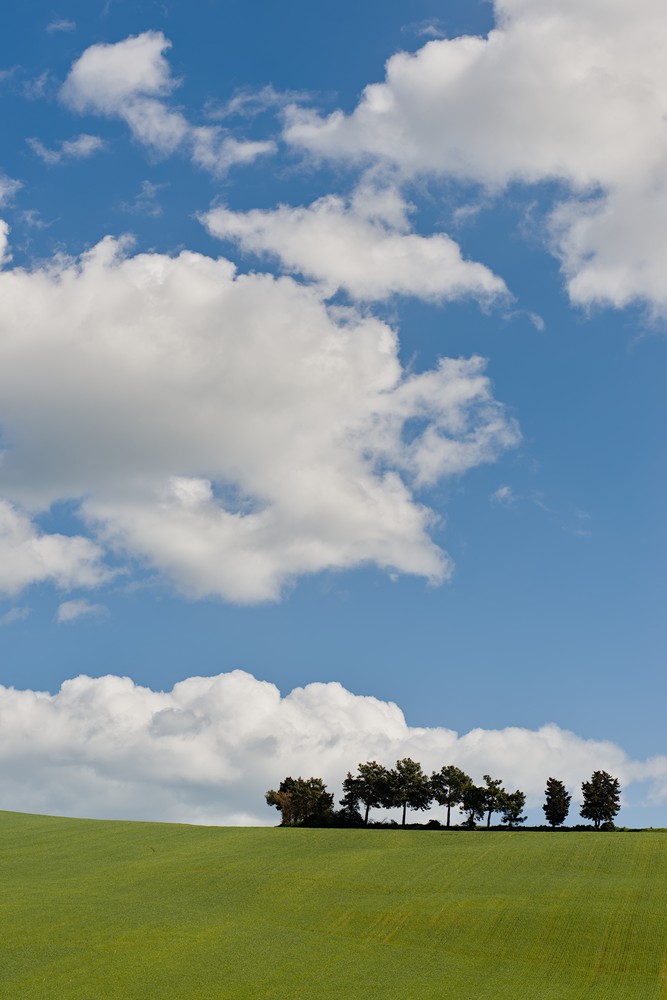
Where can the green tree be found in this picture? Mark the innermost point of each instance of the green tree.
(473, 802)
(494, 796)
(448, 785)
(370, 787)
(557, 802)
(408, 786)
(511, 808)
(602, 798)
(300, 800)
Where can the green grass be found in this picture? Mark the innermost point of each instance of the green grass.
(135, 911)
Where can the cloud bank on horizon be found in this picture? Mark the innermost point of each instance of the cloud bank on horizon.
(208, 750)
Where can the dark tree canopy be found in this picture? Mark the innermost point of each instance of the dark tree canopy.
(602, 798)
(494, 796)
(557, 804)
(370, 787)
(409, 786)
(300, 799)
(511, 808)
(473, 803)
(448, 785)
(306, 801)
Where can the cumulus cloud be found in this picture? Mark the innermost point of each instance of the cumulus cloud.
(80, 148)
(29, 556)
(231, 431)
(363, 246)
(5, 254)
(207, 751)
(574, 92)
(72, 611)
(132, 80)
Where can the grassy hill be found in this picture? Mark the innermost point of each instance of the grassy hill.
(139, 911)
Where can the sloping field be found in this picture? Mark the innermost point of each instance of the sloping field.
(139, 911)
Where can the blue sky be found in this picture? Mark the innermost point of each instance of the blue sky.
(270, 469)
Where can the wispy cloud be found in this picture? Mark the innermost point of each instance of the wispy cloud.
(80, 148)
(40, 87)
(60, 24)
(14, 616)
(146, 202)
(72, 611)
(248, 103)
(433, 27)
(32, 218)
(571, 521)
(8, 188)
(504, 496)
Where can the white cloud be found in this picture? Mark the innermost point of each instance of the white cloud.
(107, 78)
(132, 80)
(14, 616)
(215, 152)
(574, 92)
(5, 254)
(207, 751)
(80, 148)
(29, 556)
(363, 246)
(230, 431)
(71, 611)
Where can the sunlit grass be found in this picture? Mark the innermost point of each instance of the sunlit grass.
(130, 911)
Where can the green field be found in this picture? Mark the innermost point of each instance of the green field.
(135, 911)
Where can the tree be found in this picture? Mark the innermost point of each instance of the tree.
(557, 804)
(448, 785)
(370, 787)
(408, 786)
(511, 808)
(494, 796)
(602, 798)
(473, 802)
(300, 800)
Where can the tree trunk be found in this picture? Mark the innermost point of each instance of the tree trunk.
(368, 808)
(449, 809)
(488, 820)
(405, 806)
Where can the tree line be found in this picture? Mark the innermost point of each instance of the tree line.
(306, 801)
